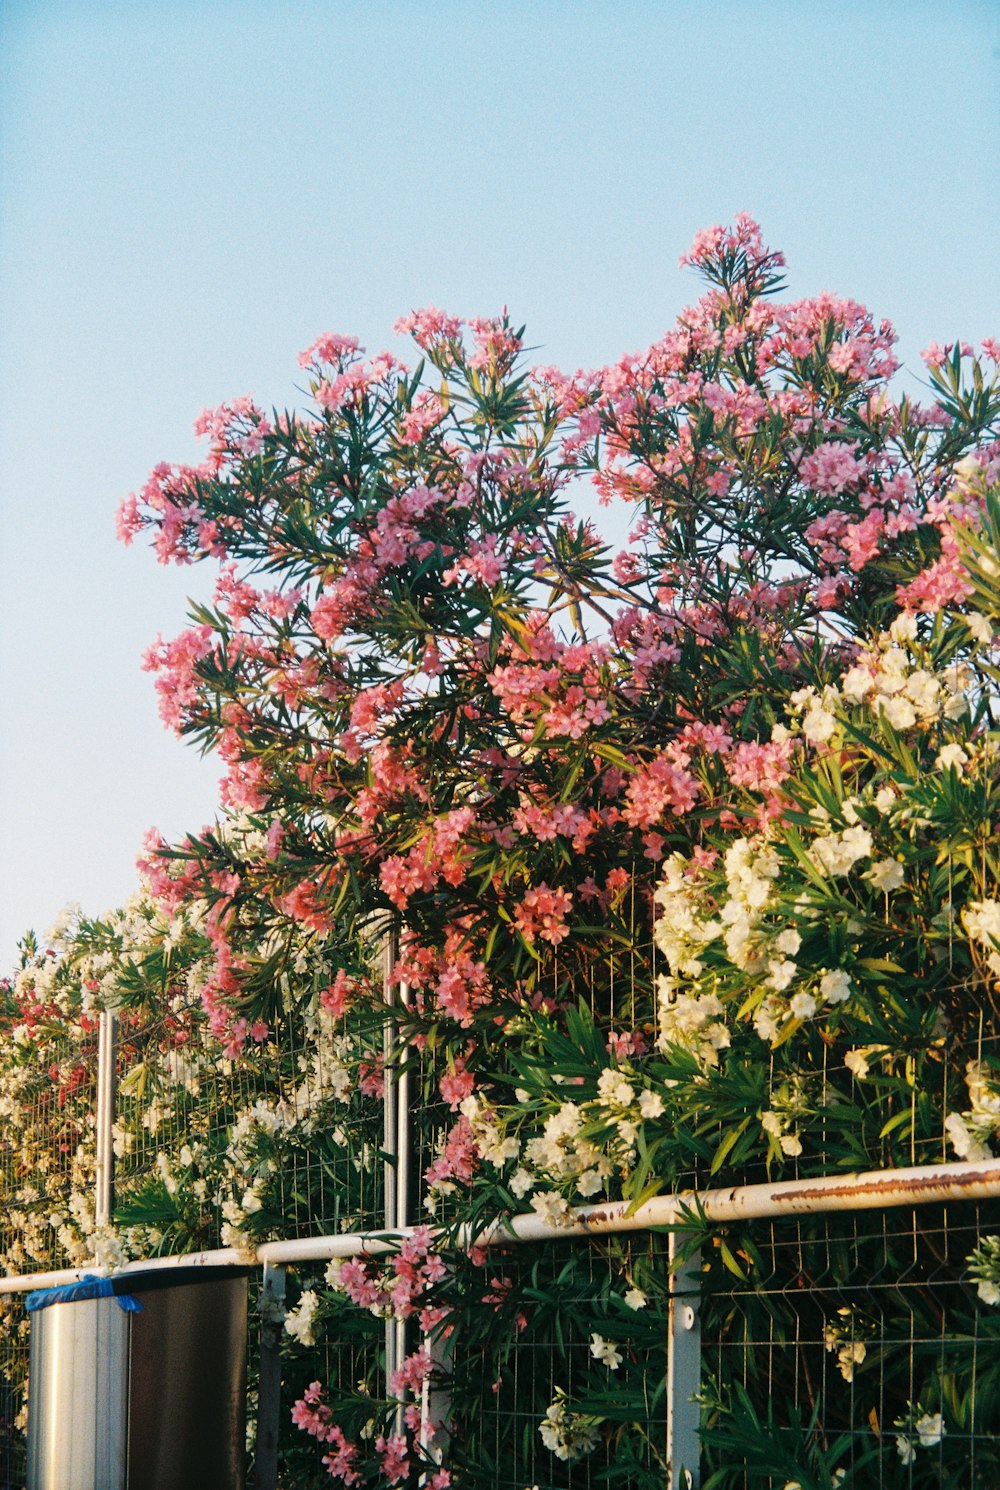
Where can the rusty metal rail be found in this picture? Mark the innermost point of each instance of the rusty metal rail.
(877, 1189)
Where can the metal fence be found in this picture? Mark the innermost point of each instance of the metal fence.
(834, 1313)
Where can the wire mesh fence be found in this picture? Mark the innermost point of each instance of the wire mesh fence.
(14, 1327)
(857, 1342)
(276, 1140)
(572, 1393)
(863, 1336)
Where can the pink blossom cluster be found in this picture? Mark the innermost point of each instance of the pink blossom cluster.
(175, 664)
(541, 914)
(312, 1415)
(403, 1285)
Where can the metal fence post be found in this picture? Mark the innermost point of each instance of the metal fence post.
(683, 1368)
(396, 1119)
(271, 1308)
(435, 1398)
(105, 1156)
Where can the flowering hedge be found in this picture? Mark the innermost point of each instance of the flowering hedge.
(688, 848)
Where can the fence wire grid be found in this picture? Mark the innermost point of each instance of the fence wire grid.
(860, 1336)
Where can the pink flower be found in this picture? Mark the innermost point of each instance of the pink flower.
(656, 787)
(760, 768)
(339, 1464)
(456, 1085)
(310, 1413)
(359, 1287)
(337, 999)
(329, 348)
(541, 915)
(411, 1375)
(460, 1158)
(426, 413)
(371, 1076)
(305, 903)
(429, 327)
(945, 582)
(395, 1461)
(128, 520)
(832, 467)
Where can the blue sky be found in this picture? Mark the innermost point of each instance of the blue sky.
(189, 194)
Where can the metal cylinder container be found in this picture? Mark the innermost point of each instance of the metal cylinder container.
(78, 1397)
(154, 1400)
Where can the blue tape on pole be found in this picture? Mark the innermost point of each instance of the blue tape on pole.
(87, 1287)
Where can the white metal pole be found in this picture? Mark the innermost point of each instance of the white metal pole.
(404, 1144)
(105, 1118)
(390, 1128)
(683, 1367)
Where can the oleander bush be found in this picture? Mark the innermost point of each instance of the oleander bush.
(688, 851)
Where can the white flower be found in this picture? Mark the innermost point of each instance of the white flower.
(982, 920)
(551, 1208)
(788, 942)
(899, 712)
(694, 1021)
(818, 724)
(567, 1434)
(884, 798)
(981, 627)
(835, 986)
(566, 1122)
(857, 683)
(885, 874)
(767, 1020)
(924, 692)
(521, 1181)
(780, 974)
(930, 1430)
(850, 1355)
(791, 1144)
(803, 1006)
(613, 1089)
(951, 758)
(650, 1104)
(967, 470)
(299, 1321)
(836, 853)
(606, 1352)
(988, 1291)
(904, 627)
(636, 1299)
(905, 1449)
(963, 1142)
(856, 1061)
(589, 1183)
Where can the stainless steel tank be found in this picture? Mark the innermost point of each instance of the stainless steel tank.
(154, 1400)
(78, 1377)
